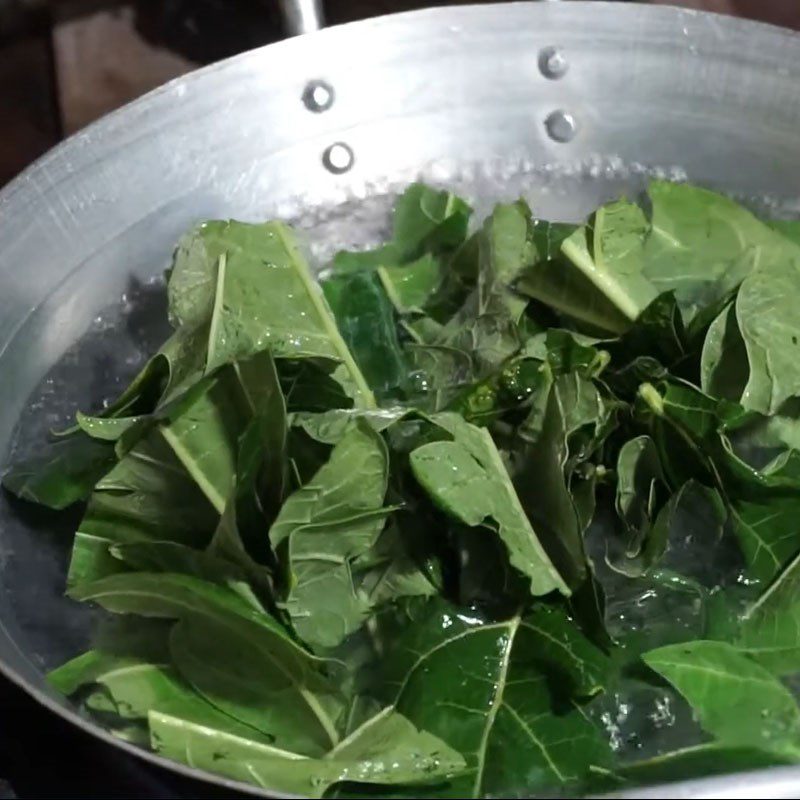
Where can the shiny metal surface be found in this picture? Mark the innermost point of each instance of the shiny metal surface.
(568, 103)
(780, 783)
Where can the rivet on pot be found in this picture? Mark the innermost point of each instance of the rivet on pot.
(553, 63)
(561, 126)
(318, 96)
(338, 158)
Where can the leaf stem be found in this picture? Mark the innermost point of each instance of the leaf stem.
(318, 300)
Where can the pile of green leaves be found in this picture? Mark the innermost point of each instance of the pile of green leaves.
(358, 533)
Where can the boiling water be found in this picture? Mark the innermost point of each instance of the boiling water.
(640, 720)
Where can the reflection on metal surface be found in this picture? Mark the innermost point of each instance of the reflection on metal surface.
(778, 783)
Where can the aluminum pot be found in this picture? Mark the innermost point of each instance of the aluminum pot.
(567, 103)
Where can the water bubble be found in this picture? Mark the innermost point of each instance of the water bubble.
(552, 63)
(561, 126)
(662, 716)
(419, 381)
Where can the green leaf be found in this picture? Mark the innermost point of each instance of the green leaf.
(638, 479)
(204, 437)
(770, 630)
(63, 474)
(130, 675)
(768, 325)
(205, 433)
(505, 246)
(117, 647)
(553, 280)
(172, 596)
(540, 472)
(788, 228)
(440, 375)
(686, 425)
(483, 688)
(772, 638)
(701, 244)
(487, 325)
(172, 557)
(488, 329)
(91, 559)
(238, 568)
(694, 513)
(385, 750)
(564, 288)
(425, 220)
(193, 278)
(695, 243)
(723, 368)
(767, 532)
(327, 523)
(657, 332)
(507, 389)
(260, 679)
(329, 427)
(174, 369)
(239, 659)
(149, 495)
(466, 477)
(132, 688)
(262, 476)
(309, 384)
(262, 461)
(107, 429)
(585, 416)
(609, 250)
(264, 296)
(736, 700)
(764, 443)
(546, 238)
(366, 319)
(398, 566)
(564, 650)
(566, 352)
(459, 279)
(409, 286)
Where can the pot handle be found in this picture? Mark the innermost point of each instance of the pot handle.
(302, 16)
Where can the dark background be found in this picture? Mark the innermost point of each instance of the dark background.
(64, 63)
